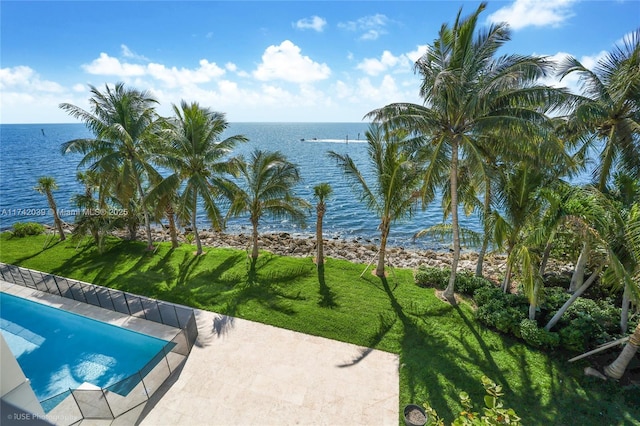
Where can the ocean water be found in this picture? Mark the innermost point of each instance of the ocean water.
(28, 151)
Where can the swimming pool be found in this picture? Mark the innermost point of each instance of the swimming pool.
(60, 350)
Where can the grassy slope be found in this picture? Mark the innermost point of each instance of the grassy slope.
(442, 349)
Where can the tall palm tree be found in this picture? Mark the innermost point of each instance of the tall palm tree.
(198, 159)
(394, 193)
(46, 185)
(123, 121)
(269, 180)
(321, 192)
(607, 118)
(607, 115)
(469, 93)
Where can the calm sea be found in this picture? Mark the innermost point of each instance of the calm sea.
(30, 151)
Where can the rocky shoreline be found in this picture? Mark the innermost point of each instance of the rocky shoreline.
(354, 250)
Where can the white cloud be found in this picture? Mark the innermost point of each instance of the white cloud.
(128, 53)
(171, 77)
(315, 23)
(374, 66)
(285, 62)
(371, 27)
(537, 13)
(386, 92)
(389, 62)
(25, 79)
(108, 65)
(28, 98)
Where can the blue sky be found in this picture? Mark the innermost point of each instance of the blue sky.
(264, 60)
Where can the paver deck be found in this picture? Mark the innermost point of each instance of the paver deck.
(246, 373)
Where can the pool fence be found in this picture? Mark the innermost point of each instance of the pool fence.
(126, 399)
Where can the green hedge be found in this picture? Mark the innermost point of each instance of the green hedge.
(466, 282)
(29, 228)
(586, 324)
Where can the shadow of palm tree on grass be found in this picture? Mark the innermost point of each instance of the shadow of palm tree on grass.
(327, 296)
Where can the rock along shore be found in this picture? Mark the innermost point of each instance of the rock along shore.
(354, 250)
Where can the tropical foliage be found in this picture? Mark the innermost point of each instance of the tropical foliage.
(269, 181)
(191, 148)
(46, 185)
(393, 194)
(472, 101)
(123, 121)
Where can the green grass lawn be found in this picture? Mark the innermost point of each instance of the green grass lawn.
(442, 349)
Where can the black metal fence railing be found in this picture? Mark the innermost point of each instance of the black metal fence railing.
(121, 398)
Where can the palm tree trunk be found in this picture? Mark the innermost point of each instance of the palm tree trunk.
(384, 234)
(56, 218)
(193, 225)
(545, 258)
(624, 314)
(506, 283)
(578, 274)
(172, 228)
(616, 369)
(481, 254)
(319, 241)
(553, 321)
(254, 237)
(449, 291)
(534, 303)
(145, 212)
(485, 239)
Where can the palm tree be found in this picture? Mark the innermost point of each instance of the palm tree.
(617, 368)
(197, 157)
(46, 185)
(123, 121)
(269, 180)
(590, 214)
(607, 118)
(321, 192)
(469, 97)
(394, 193)
(608, 113)
(95, 215)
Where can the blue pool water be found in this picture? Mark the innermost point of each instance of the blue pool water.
(59, 350)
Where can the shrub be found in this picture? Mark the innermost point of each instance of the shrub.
(485, 294)
(467, 283)
(493, 413)
(552, 298)
(29, 228)
(516, 300)
(496, 314)
(536, 336)
(508, 320)
(428, 276)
